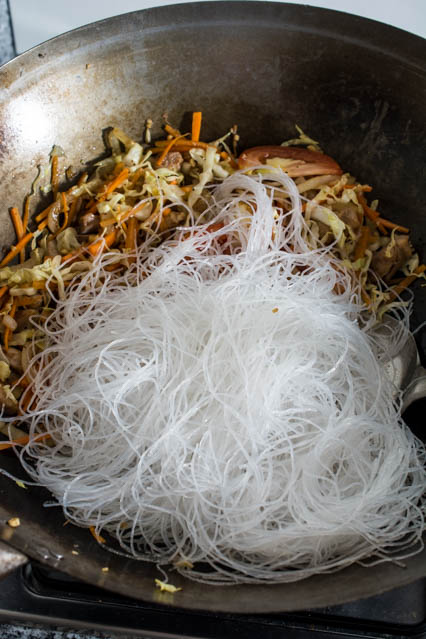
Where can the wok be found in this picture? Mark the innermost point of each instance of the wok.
(357, 86)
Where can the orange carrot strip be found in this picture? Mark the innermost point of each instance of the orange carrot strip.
(118, 168)
(174, 132)
(114, 184)
(166, 149)
(391, 225)
(73, 209)
(29, 396)
(30, 300)
(73, 255)
(54, 179)
(109, 188)
(25, 220)
(196, 125)
(16, 249)
(21, 441)
(370, 213)
(3, 290)
(41, 216)
(362, 244)
(365, 297)
(43, 224)
(132, 236)
(136, 175)
(359, 187)
(98, 538)
(104, 242)
(407, 281)
(187, 188)
(17, 222)
(7, 330)
(182, 145)
(38, 284)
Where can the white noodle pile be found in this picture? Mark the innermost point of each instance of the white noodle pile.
(218, 404)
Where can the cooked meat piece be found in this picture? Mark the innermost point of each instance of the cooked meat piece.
(390, 259)
(348, 213)
(88, 223)
(173, 161)
(7, 401)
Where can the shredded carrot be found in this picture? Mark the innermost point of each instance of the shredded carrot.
(73, 255)
(27, 400)
(359, 187)
(98, 538)
(370, 213)
(21, 441)
(174, 132)
(365, 297)
(118, 168)
(114, 184)
(16, 249)
(104, 242)
(17, 222)
(373, 215)
(7, 330)
(196, 125)
(362, 244)
(30, 300)
(25, 220)
(43, 224)
(397, 290)
(131, 237)
(224, 155)
(38, 284)
(54, 180)
(42, 216)
(187, 189)
(182, 145)
(73, 210)
(3, 290)
(166, 149)
(391, 225)
(109, 188)
(136, 175)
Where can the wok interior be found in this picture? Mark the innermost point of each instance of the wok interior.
(357, 87)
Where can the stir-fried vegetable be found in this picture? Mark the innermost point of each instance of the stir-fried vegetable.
(152, 188)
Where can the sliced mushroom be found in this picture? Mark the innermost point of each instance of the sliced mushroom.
(389, 259)
(306, 162)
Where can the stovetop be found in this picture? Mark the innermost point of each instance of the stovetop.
(42, 596)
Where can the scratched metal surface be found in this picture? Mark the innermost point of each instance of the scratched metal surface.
(357, 86)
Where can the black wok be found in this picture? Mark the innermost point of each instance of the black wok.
(357, 86)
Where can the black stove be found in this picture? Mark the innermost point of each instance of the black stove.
(38, 596)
